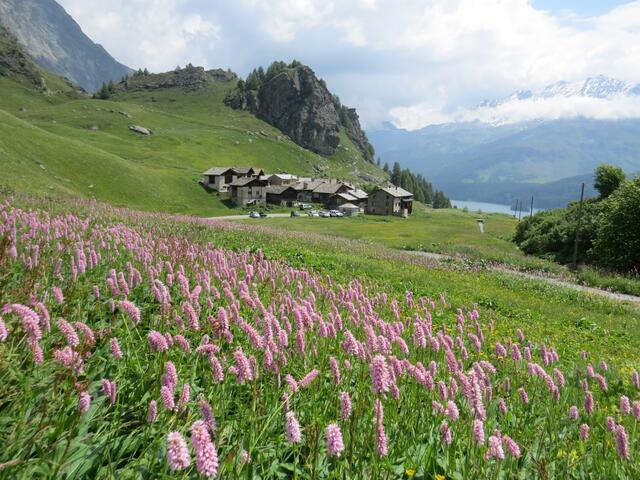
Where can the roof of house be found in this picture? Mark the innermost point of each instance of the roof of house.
(359, 194)
(311, 185)
(279, 189)
(217, 170)
(245, 181)
(326, 187)
(245, 170)
(284, 176)
(346, 196)
(349, 206)
(396, 192)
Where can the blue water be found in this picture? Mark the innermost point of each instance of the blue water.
(489, 207)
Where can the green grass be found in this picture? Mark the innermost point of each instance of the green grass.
(48, 144)
(451, 231)
(616, 282)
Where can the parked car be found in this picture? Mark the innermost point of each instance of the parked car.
(325, 214)
(314, 213)
(263, 215)
(335, 213)
(305, 206)
(254, 215)
(295, 213)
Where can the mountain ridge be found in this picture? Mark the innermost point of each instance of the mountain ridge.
(57, 43)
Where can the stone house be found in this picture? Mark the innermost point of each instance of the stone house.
(282, 179)
(219, 178)
(323, 192)
(248, 191)
(390, 200)
(281, 195)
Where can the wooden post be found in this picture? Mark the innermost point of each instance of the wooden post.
(520, 212)
(531, 211)
(579, 224)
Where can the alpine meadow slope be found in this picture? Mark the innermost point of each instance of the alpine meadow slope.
(65, 142)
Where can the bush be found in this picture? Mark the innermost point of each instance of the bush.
(617, 244)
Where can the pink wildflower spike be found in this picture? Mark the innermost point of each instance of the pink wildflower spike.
(611, 424)
(177, 452)
(588, 403)
(57, 295)
(380, 376)
(512, 446)
(381, 440)
(4, 333)
(477, 431)
(69, 332)
(308, 378)
(345, 406)
(452, 411)
(152, 413)
(157, 341)
(523, 395)
(184, 397)
(622, 443)
(167, 398)
(206, 412)
(116, 351)
(131, 310)
(495, 448)
(335, 445)
(584, 432)
(636, 409)
(205, 450)
(625, 405)
(635, 378)
(502, 406)
(292, 428)
(445, 433)
(335, 370)
(573, 413)
(84, 402)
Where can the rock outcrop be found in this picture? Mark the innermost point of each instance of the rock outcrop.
(299, 104)
(140, 130)
(189, 78)
(357, 135)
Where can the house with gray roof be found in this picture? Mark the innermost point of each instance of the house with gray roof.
(390, 200)
(219, 178)
(248, 191)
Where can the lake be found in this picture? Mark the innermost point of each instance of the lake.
(489, 207)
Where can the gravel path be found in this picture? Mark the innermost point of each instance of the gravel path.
(246, 215)
(550, 280)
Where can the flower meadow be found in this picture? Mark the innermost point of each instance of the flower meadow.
(131, 346)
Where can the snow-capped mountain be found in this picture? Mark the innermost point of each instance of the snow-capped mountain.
(601, 87)
(533, 142)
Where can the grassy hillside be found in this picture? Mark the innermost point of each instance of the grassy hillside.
(83, 146)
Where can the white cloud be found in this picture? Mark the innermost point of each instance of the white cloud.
(415, 61)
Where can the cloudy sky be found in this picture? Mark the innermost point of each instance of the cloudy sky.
(413, 62)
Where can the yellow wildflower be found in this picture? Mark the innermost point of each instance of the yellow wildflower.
(410, 472)
(440, 477)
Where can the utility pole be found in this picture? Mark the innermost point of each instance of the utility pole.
(531, 211)
(520, 212)
(515, 210)
(579, 224)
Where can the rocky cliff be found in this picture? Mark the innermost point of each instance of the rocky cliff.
(294, 100)
(188, 78)
(56, 42)
(16, 64)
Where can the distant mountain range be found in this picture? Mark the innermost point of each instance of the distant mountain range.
(56, 42)
(491, 157)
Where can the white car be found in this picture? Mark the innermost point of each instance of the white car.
(314, 213)
(325, 214)
(254, 215)
(335, 213)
